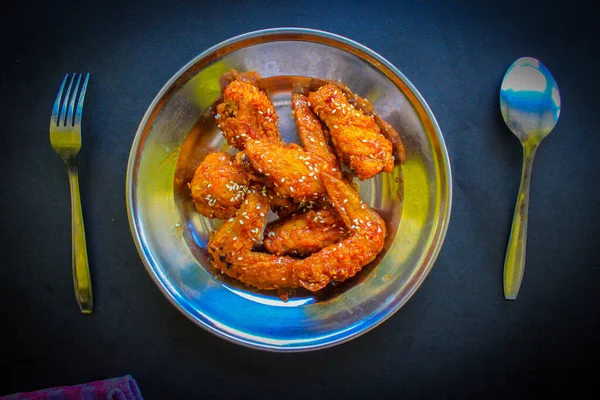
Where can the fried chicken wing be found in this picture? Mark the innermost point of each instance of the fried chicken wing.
(311, 132)
(356, 137)
(386, 129)
(246, 113)
(365, 106)
(345, 258)
(292, 171)
(219, 186)
(230, 247)
(304, 233)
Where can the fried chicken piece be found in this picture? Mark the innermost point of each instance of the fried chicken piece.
(365, 106)
(386, 129)
(292, 171)
(231, 249)
(246, 113)
(356, 137)
(230, 246)
(304, 233)
(219, 186)
(311, 132)
(347, 257)
(283, 206)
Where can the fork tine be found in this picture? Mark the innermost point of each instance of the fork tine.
(66, 102)
(81, 98)
(56, 108)
(72, 102)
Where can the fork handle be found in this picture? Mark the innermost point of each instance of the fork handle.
(81, 270)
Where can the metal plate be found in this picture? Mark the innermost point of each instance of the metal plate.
(414, 199)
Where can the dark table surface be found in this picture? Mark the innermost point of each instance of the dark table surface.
(456, 338)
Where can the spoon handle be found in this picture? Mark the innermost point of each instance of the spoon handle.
(514, 263)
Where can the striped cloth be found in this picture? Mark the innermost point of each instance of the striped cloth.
(122, 388)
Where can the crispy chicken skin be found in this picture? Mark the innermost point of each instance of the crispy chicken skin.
(312, 133)
(219, 186)
(292, 171)
(246, 113)
(304, 233)
(231, 245)
(356, 137)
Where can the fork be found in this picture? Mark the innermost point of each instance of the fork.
(65, 137)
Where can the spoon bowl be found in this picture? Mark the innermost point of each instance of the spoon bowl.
(530, 106)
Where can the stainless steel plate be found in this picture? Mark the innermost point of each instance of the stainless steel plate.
(171, 237)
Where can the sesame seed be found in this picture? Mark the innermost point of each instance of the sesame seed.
(269, 160)
(309, 103)
(260, 112)
(267, 174)
(237, 136)
(364, 140)
(334, 110)
(247, 217)
(241, 222)
(268, 111)
(312, 140)
(345, 200)
(240, 258)
(291, 189)
(282, 179)
(234, 238)
(262, 214)
(283, 279)
(335, 126)
(217, 116)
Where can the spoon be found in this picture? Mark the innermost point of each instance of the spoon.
(530, 106)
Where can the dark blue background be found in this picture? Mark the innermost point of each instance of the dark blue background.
(456, 338)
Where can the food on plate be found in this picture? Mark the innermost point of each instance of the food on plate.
(304, 233)
(324, 232)
(292, 171)
(312, 133)
(356, 137)
(231, 245)
(219, 186)
(246, 113)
